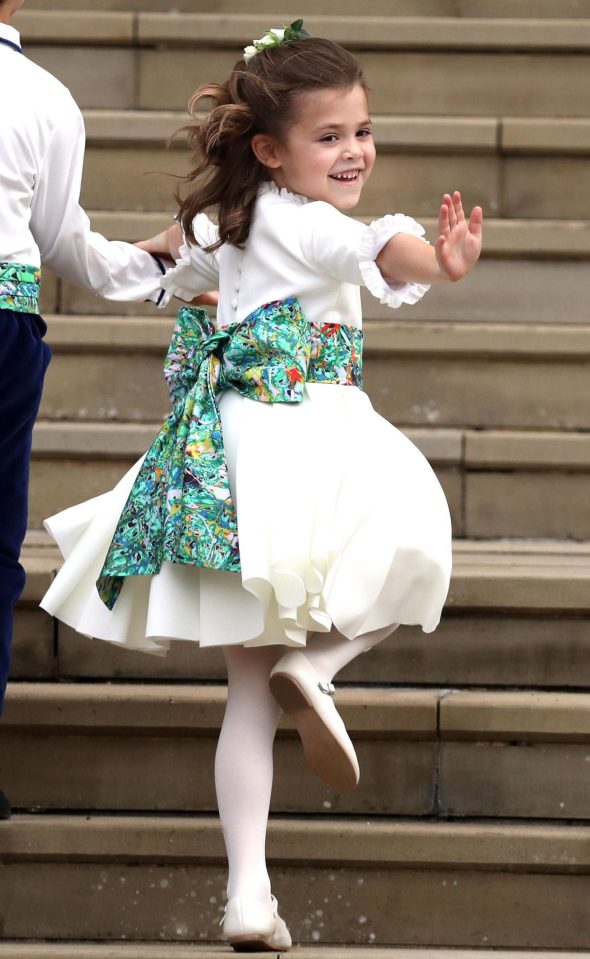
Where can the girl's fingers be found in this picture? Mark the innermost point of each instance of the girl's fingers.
(443, 220)
(458, 206)
(476, 221)
(452, 211)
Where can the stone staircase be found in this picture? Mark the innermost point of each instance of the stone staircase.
(470, 828)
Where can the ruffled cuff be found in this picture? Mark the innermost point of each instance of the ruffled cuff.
(372, 242)
(177, 280)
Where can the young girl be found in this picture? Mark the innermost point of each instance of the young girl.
(343, 529)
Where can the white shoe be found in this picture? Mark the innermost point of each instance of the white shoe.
(309, 703)
(250, 925)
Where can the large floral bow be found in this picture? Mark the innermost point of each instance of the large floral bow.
(180, 507)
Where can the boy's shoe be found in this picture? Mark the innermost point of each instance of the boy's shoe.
(309, 702)
(5, 810)
(250, 925)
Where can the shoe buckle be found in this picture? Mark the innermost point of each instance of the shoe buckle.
(328, 688)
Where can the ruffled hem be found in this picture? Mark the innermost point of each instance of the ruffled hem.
(315, 553)
(174, 278)
(372, 242)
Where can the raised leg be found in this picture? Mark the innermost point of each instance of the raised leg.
(330, 652)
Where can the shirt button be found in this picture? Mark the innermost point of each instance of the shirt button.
(234, 303)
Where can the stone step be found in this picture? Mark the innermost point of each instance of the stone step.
(527, 289)
(532, 271)
(424, 8)
(466, 66)
(492, 754)
(367, 32)
(516, 615)
(469, 884)
(84, 950)
(498, 483)
(429, 134)
(506, 239)
(511, 376)
(508, 165)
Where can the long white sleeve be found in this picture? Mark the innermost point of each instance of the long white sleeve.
(41, 159)
(61, 228)
(346, 250)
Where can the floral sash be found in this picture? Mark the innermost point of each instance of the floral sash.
(180, 507)
(19, 287)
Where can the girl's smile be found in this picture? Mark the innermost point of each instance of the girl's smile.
(328, 153)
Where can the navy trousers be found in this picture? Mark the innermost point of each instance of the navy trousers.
(24, 357)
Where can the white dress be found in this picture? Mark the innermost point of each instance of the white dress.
(341, 520)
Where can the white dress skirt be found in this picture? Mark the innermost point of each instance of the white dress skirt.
(341, 523)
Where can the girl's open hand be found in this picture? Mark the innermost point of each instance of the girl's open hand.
(459, 242)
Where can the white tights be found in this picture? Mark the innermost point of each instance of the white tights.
(244, 758)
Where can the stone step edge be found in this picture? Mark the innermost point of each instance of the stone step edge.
(499, 845)
(521, 239)
(378, 712)
(480, 582)
(544, 9)
(502, 341)
(450, 447)
(146, 950)
(502, 135)
(234, 30)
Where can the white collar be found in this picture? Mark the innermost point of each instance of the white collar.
(269, 188)
(9, 33)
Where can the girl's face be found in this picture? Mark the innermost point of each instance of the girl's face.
(328, 152)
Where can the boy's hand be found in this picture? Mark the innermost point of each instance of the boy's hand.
(206, 299)
(165, 244)
(459, 243)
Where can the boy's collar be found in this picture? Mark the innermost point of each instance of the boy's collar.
(10, 34)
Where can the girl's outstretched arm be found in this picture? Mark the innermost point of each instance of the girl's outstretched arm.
(406, 259)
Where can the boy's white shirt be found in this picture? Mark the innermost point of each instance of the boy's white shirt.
(296, 247)
(41, 158)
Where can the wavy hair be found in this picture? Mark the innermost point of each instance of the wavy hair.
(259, 97)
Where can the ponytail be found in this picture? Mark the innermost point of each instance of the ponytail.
(227, 175)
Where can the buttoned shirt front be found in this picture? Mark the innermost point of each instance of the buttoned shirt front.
(41, 158)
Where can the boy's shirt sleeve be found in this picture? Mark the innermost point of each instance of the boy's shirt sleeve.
(114, 269)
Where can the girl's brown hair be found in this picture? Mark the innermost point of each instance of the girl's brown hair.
(259, 97)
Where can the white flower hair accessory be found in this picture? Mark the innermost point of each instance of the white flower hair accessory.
(275, 38)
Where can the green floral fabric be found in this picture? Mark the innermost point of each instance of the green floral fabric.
(19, 287)
(180, 507)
